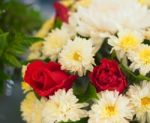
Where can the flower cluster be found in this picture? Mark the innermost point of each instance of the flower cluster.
(93, 65)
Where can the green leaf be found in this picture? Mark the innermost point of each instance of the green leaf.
(103, 52)
(84, 120)
(134, 122)
(28, 41)
(3, 77)
(84, 91)
(132, 77)
(3, 42)
(147, 42)
(58, 23)
(12, 60)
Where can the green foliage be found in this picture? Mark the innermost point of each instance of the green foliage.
(131, 76)
(58, 23)
(18, 17)
(83, 90)
(103, 52)
(3, 42)
(16, 20)
(3, 77)
(84, 120)
(14, 45)
(147, 42)
(11, 48)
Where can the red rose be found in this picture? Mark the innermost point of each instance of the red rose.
(108, 76)
(62, 12)
(47, 78)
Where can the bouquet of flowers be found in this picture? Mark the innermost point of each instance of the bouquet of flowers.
(93, 65)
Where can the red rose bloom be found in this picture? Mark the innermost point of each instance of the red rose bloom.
(62, 12)
(47, 78)
(108, 76)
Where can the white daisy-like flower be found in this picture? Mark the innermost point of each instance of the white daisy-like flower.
(111, 108)
(63, 106)
(104, 16)
(77, 56)
(140, 99)
(70, 27)
(31, 109)
(140, 59)
(54, 42)
(126, 41)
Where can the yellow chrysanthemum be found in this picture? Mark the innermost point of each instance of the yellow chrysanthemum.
(31, 109)
(24, 67)
(76, 3)
(145, 2)
(45, 28)
(84, 3)
(35, 51)
(67, 3)
(25, 87)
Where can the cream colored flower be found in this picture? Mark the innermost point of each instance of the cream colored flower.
(140, 99)
(77, 56)
(146, 34)
(31, 109)
(126, 42)
(84, 3)
(111, 108)
(109, 16)
(54, 43)
(35, 51)
(140, 59)
(63, 106)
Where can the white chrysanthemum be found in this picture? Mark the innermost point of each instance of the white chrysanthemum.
(63, 106)
(126, 41)
(140, 99)
(140, 59)
(31, 109)
(70, 27)
(54, 43)
(77, 56)
(111, 108)
(110, 16)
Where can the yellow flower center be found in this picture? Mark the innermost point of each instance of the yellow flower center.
(110, 111)
(145, 101)
(145, 55)
(142, 1)
(129, 42)
(77, 56)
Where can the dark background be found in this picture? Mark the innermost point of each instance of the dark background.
(10, 105)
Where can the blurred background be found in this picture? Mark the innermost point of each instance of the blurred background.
(12, 96)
